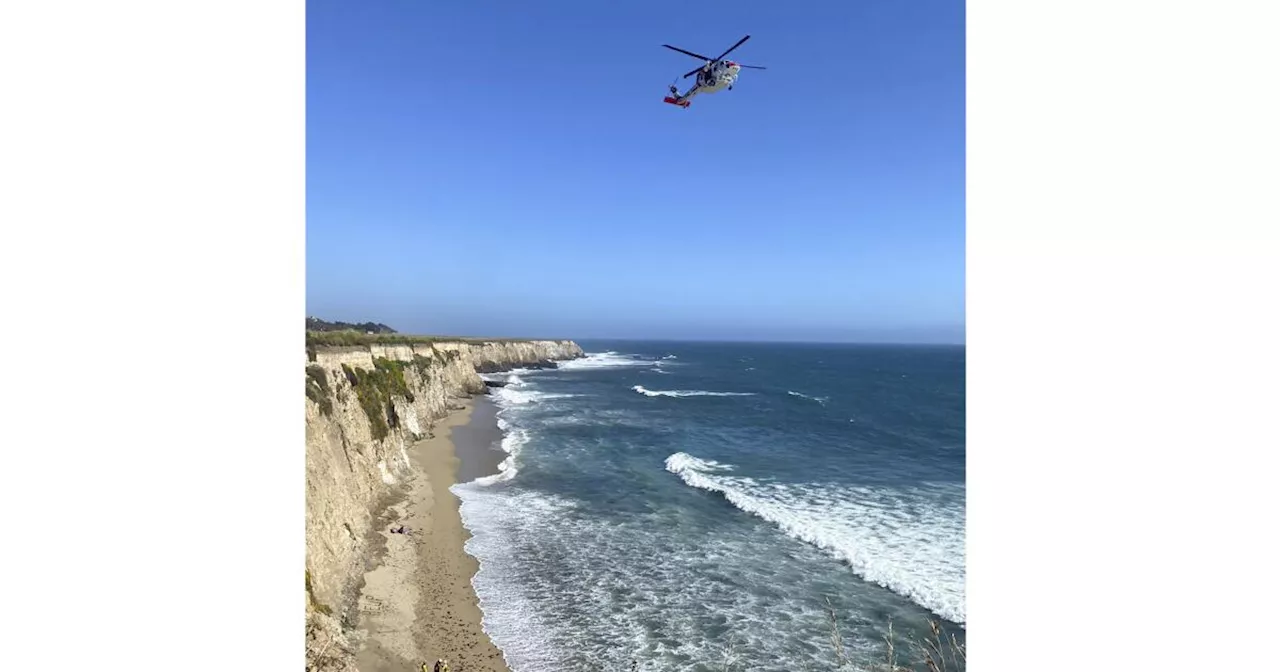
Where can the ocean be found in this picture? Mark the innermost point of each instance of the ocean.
(664, 505)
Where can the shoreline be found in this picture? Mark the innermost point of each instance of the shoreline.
(417, 603)
(478, 444)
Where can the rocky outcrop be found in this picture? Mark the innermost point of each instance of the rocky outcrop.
(495, 368)
(365, 404)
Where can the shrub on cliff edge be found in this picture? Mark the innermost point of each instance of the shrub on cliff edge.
(356, 338)
(393, 373)
(318, 389)
(375, 390)
(423, 365)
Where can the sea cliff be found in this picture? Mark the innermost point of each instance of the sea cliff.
(365, 405)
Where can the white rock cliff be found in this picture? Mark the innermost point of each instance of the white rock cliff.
(356, 453)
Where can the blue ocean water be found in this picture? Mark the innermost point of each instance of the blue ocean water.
(665, 503)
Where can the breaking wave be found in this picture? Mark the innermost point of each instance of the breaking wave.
(516, 392)
(556, 582)
(601, 360)
(514, 395)
(513, 440)
(688, 393)
(680, 463)
(820, 400)
(587, 563)
(909, 540)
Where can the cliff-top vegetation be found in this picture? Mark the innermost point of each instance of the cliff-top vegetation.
(360, 338)
(341, 334)
(375, 390)
(317, 324)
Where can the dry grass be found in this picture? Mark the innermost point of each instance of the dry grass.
(936, 653)
(730, 656)
(324, 651)
(326, 647)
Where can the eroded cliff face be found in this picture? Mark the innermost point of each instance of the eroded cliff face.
(364, 406)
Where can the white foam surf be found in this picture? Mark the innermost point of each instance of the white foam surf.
(602, 360)
(561, 589)
(688, 393)
(514, 395)
(518, 393)
(512, 617)
(909, 540)
(684, 462)
(654, 578)
(820, 400)
(513, 440)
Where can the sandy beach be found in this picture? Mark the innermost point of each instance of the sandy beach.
(417, 604)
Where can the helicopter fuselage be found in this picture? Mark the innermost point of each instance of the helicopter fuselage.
(716, 74)
(722, 76)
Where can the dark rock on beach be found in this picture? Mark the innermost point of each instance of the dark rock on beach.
(490, 367)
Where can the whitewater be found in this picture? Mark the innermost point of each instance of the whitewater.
(646, 525)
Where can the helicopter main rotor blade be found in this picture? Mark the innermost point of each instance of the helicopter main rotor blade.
(687, 53)
(712, 60)
(735, 46)
(753, 67)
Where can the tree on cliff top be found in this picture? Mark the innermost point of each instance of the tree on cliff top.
(317, 324)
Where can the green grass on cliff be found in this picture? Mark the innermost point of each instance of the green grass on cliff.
(311, 599)
(318, 389)
(375, 389)
(392, 373)
(357, 338)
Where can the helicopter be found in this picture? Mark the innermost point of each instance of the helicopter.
(713, 75)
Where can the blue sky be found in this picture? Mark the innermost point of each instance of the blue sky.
(508, 168)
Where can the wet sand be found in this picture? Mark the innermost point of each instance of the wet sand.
(479, 442)
(418, 604)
